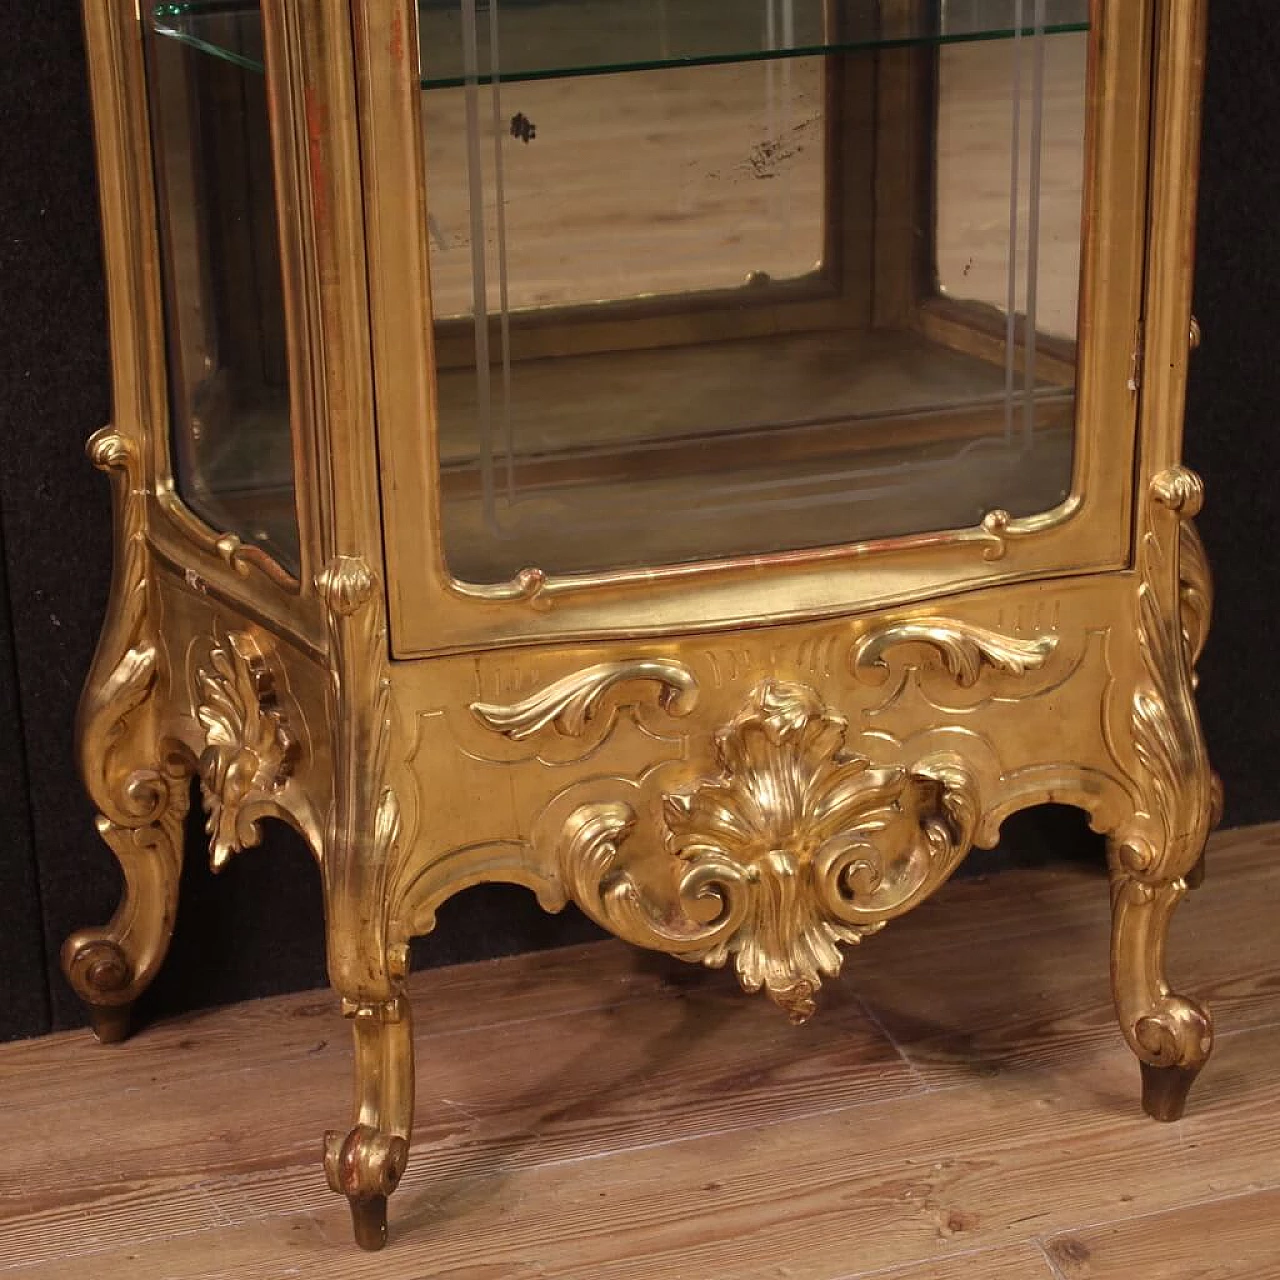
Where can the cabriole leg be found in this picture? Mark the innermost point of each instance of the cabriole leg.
(1177, 799)
(1171, 1034)
(109, 967)
(361, 858)
(366, 1164)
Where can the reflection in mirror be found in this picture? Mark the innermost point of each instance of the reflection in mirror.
(757, 304)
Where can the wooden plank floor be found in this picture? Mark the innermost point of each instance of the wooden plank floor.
(962, 1107)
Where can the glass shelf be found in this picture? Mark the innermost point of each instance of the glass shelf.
(468, 41)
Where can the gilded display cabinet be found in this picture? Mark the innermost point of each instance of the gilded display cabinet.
(708, 461)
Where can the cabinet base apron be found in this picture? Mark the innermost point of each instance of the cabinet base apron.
(761, 798)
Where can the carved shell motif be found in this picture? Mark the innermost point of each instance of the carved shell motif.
(249, 752)
(795, 848)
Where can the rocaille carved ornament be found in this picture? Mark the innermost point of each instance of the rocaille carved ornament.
(796, 847)
(761, 791)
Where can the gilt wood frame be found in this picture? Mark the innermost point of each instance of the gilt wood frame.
(759, 796)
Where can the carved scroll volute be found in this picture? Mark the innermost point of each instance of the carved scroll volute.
(1176, 792)
(795, 848)
(964, 650)
(251, 750)
(568, 705)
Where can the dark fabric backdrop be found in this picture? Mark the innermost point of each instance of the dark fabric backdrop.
(257, 928)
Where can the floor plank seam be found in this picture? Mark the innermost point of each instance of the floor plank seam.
(870, 1014)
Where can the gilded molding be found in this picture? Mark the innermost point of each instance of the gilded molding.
(569, 704)
(794, 848)
(346, 584)
(250, 751)
(964, 650)
(362, 837)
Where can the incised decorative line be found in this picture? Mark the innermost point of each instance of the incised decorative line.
(795, 848)
(571, 703)
(964, 649)
(250, 752)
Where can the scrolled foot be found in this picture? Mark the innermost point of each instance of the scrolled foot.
(111, 1023)
(110, 967)
(366, 1166)
(1165, 1090)
(101, 975)
(369, 1222)
(1171, 1035)
(1173, 1046)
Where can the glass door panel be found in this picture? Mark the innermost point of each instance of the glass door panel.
(717, 282)
(224, 311)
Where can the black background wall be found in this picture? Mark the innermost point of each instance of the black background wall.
(257, 928)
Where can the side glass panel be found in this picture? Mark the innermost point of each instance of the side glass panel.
(224, 312)
(729, 281)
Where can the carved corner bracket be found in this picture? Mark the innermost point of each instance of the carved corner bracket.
(794, 848)
(138, 781)
(251, 752)
(362, 832)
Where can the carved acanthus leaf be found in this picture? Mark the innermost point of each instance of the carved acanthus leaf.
(1180, 490)
(250, 752)
(795, 848)
(569, 704)
(1172, 821)
(963, 649)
